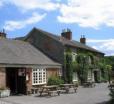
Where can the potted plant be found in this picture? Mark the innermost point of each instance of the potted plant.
(4, 92)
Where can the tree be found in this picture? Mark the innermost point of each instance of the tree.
(109, 69)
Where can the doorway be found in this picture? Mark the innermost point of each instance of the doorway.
(16, 82)
(96, 76)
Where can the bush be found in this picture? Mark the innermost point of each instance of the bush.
(55, 81)
(103, 79)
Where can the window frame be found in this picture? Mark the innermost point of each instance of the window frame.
(38, 76)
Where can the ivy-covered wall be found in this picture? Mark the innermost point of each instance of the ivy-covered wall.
(83, 63)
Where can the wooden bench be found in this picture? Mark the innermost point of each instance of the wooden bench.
(49, 90)
(34, 90)
(67, 87)
(89, 84)
(54, 92)
(111, 86)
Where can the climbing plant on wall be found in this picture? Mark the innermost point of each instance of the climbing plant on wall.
(82, 60)
(68, 66)
(85, 61)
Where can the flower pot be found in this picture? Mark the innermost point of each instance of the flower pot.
(4, 93)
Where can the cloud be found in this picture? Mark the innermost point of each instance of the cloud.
(99, 41)
(106, 46)
(12, 25)
(26, 5)
(1, 3)
(88, 13)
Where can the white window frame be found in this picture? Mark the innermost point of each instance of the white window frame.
(38, 76)
(75, 76)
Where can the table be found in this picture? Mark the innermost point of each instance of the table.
(49, 90)
(111, 86)
(89, 84)
(34, 90)
(67, 87)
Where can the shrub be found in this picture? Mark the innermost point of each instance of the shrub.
(3, 88)
(55, 81)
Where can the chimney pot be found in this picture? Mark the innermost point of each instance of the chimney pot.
(2, 34)
(83, 39)
(66, 33)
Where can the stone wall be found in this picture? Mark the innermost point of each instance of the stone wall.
(2, 77)
(28, 79)
(52, 72)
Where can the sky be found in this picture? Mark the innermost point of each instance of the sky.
(92, 18)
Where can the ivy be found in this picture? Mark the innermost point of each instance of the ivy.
(68, 66)
(84, 62)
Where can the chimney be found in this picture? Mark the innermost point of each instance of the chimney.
(66, 33)
(83, 39)
(2, 34)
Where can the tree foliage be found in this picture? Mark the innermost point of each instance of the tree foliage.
(54, 81)
(109, 60)
(68, 67)
(82, 64)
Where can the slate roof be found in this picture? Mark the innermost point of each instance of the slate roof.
(63, 40)
(22, 53)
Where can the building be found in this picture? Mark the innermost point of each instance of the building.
(55, 47)
(23, 66)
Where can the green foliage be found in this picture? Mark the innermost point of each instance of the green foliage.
(103, 79)
(75, 66)
(83, 64)
(68, 66)
(54, 81)
(109, 68)
(85, 61)
(109, 60)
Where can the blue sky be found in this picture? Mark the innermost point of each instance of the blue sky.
(92, 18)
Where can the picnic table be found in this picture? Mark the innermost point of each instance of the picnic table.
(67, 87)
(89, 84)
(49, 90)
(111, 86)
(34, 90)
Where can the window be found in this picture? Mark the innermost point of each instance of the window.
(60, 72)
(38, 76)
(73, 56)
(89, 75)
(75, 76)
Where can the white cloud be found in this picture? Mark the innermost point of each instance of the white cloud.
(106, 46)
(12, 25)
(88, 13)
(99, 41)
(1, 3)
(26, 5)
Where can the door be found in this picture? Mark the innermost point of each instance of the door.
(21, 85)
(96, 76)
(15, 82)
